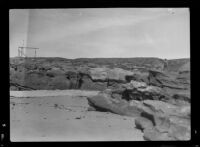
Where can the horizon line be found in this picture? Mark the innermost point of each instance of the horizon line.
(103, 57)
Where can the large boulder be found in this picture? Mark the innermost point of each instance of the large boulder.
(162, 123)
(167, 108)
(173, 130)
(143, 123)
(170, 122)
(166, 130)
(104, 102)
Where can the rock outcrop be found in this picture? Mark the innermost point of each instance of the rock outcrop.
(104, 102)
(170, 121)
(155, 91)
(158, 119)
(141, 91)
(47, 73)
(105, 74)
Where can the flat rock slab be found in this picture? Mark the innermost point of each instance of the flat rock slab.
(65, 118)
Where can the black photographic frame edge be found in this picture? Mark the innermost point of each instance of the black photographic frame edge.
(5, 120)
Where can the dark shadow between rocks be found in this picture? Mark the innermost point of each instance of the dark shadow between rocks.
(97, 108)
(148, 116)
(129, 78)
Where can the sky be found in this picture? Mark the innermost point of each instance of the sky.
(101, 32)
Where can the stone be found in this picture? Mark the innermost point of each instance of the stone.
(118, 74)
(105, 74)
(153, 134)
(136, 84)
(166, 108)
(104, 102)
(98, 74)
(185, 122)
(168, 129)
(179, 132)
(163, 124)
(167, 121)
(141, 91)
(162, 79)
(143, 123)
(86, 83)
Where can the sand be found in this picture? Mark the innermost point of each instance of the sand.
(63, 115)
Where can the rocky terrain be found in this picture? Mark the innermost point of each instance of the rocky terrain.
(153, 91)
(91, 74)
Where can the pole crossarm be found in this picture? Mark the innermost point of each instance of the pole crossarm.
(28, 47)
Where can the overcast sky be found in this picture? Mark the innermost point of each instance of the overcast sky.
(102, 32)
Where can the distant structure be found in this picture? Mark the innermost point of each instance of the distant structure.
(21, 51)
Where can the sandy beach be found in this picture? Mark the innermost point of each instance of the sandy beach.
(62, 115)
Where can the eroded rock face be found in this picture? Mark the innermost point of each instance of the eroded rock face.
(105, 74)
(104, 102)
(99, 74)
(170, 122)
(158, 120)
(168, 80)
(167, 108)
(141, 91)
(86, 83)
(83, 78)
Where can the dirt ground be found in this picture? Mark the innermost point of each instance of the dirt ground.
(62, 115)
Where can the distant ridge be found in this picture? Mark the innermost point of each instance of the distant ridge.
(105, 58)
(172, 64)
